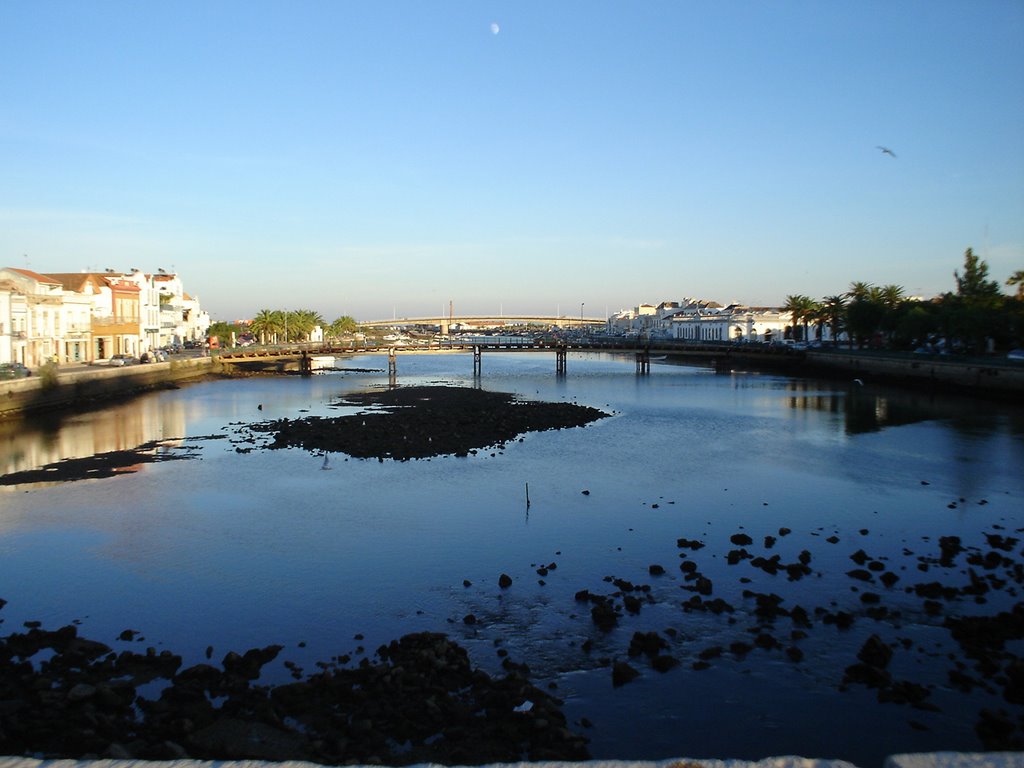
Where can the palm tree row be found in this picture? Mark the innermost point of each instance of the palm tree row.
(863, 305)
(978, 315)
(275, 325)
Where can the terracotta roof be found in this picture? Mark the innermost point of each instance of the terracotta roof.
(73, 281)
(35, 276)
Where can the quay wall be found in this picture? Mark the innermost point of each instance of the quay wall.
(88, 384)
(966, 377)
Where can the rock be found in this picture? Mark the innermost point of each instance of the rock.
(741, 540)
(604, 616)
(875, 653)
(504, 581)
(623, 673)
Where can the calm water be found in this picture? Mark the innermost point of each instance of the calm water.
(237, 550)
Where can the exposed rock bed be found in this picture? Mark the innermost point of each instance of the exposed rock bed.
(424, 421)
(420, 701)
(102, 465)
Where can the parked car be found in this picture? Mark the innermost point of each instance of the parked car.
(14, 371)
(120, 360)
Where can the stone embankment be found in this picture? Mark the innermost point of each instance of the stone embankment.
(82, 385)
(964, 376)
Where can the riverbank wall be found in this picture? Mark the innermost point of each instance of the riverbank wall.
(84, 385)
(967, 377)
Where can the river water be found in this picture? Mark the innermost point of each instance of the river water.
(241, 548)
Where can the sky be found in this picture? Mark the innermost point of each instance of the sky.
(384, 158)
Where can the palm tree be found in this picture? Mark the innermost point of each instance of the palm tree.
(1017, 278)
(343, 326)
(834, 311)
(301, 323)
(265, 324)
(891, 295)
(801, 308)
(859, 291)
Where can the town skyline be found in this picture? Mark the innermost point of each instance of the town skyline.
(379, 160)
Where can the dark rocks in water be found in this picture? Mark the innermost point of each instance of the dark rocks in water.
(504, 581)
(647, 644)
(741, 540)
(419, 702)
(656, 570)
(736, 555)
(103, 465)
(420, 422)
(692, 544)
(604, 615)
(950, 547)
(623, 673)
(875, 653)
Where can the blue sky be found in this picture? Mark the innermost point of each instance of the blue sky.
(384, 158)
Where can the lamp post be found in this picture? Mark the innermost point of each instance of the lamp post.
(581, 315)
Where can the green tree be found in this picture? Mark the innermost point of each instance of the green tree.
(301, 323)
(801, 309)
(833, 311)
(266, 324)
(343, 326)
(974, 283)
(1017, 278)
(864, 312)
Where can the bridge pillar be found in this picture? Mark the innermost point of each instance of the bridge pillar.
(643, 361)
(444, 328)
(560, 355)
(477, 360)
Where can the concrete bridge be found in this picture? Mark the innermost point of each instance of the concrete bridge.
(445, 322)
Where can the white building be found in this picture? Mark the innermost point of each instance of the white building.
(710, 322)
(33, 325)
(75, 317)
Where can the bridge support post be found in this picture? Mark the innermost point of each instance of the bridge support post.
(477, 360)
(305, 364)
(560, 355)
(643, 362)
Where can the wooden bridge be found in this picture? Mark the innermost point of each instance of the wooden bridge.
(301, 357)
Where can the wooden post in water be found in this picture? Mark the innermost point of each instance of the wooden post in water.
(477, 360)
(643, 361)
(305, 364)
(392, 362)
(560, 360)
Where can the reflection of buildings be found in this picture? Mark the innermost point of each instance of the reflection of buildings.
(125, 427)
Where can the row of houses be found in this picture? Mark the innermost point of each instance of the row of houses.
(698, 320)
(83, 317)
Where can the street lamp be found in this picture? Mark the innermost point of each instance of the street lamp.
(581, 315)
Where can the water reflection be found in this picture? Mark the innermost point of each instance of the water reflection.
(47, 438)
(866, 409)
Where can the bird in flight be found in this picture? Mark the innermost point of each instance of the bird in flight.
(887, 151)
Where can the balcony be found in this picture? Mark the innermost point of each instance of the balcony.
(115, 320)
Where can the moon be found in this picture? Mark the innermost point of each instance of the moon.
(495, 29)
